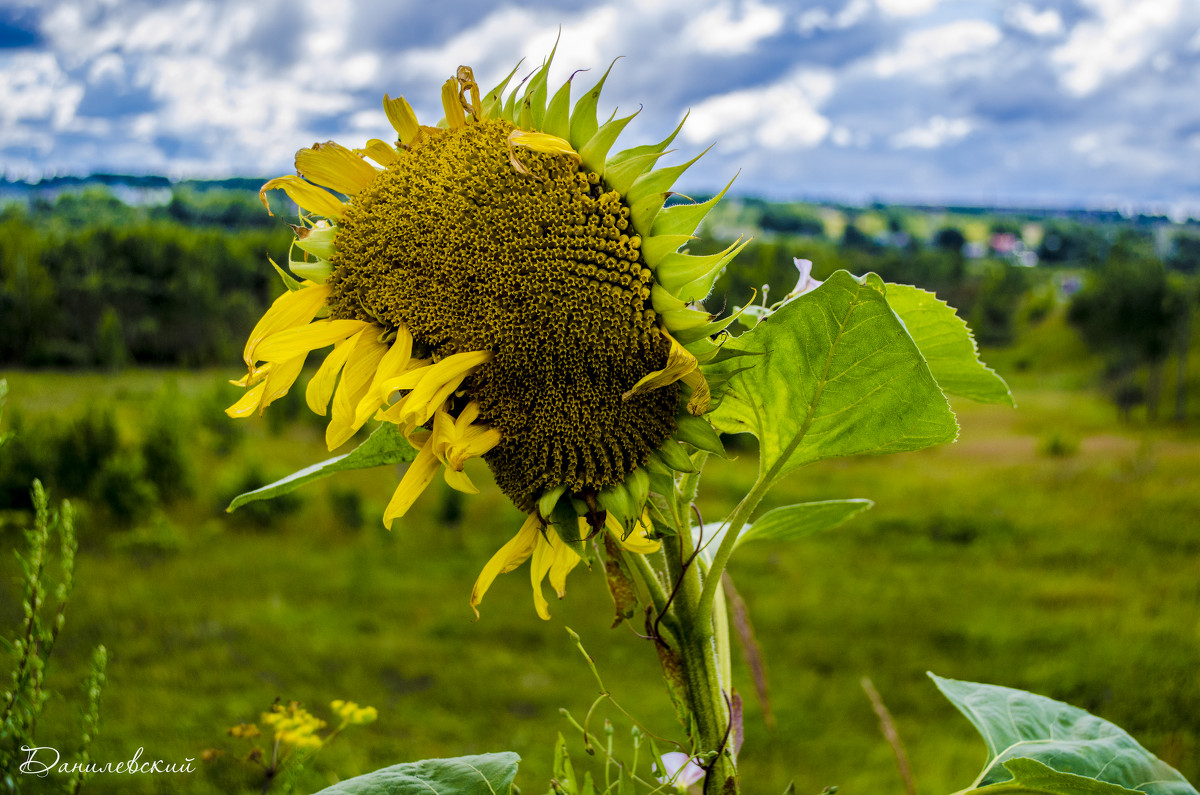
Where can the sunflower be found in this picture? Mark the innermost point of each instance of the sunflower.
(501, 286)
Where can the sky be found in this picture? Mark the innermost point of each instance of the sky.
(1082, 103)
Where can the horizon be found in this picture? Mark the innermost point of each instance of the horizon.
(1127, 211)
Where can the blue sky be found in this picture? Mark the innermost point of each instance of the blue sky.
(1044, 102)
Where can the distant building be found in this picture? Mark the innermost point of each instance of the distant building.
(1004, 242)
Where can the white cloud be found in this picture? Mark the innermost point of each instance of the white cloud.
(939, 131)
(783, 115)
(495, 44)
(820, 19)
(722, 31)
(1039, 23)
(35, 88)
(1086, 144)
(922, 50)
(108, 66)
(907, 8)
(1123, 36)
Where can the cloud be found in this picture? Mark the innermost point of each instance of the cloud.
(979, 98)
(922, 50)
(36, 89)
(1122, 35)
(939, 131)
(1024, 17)
(721, 30)
(907, 8)
(783, 115)
(819, 19)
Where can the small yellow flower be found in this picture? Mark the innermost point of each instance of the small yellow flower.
(294, 726)
(244, 731)
(353, 714)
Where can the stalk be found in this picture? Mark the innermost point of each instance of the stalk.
(699, 652)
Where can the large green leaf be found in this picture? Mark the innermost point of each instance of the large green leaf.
(840, 376)
(386, 446)
(947, 345)
(1019, 725)
(1030, 777)
(486, 774)
(796, 521)
(786, 523)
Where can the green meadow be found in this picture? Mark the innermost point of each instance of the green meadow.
(1054, 548)
(1051, 548)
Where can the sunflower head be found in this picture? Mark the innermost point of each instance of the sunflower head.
(502, 285)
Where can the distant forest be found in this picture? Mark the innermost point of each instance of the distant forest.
(114, 271)
(89, 280)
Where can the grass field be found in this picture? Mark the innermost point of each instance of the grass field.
(1074, 575)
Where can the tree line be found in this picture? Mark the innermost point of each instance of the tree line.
(88, 281)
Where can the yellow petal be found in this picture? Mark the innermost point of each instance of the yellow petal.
(444, 434)
(393, 363)
(401, 115)
(679, 364)
(565, 559)
(289, 310)
(699, 402)
(542, 142)
(393, 413)
(418, 475)
(441, 381)
(290, 343)
(381, 152)
(251, 378)
(476, 441)
(636, 540)
(469, 414)
(249, 402)
(280, 380)
(334, 166)
(543, 557)
(508, 557)
(459, 481)
(320, 388)
(356, 379)
(456, 116)
(305, 194)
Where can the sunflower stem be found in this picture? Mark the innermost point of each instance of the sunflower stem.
(699, 653)
(650, 581)
(737, 521)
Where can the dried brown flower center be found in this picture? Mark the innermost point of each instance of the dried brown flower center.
(545, 271)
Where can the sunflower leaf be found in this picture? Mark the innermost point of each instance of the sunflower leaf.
(790, 522)
(947, 345)
(840, 376)
(385, 446)
(1030, 777)
(1039, 745)
(485, 774)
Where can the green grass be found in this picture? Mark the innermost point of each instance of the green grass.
(1077, 577)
